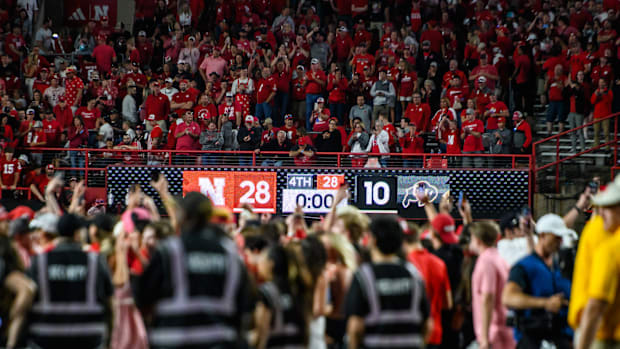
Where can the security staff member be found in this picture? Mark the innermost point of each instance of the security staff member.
(72, 306)
(387, 304)
(196, 288)
(537, 291)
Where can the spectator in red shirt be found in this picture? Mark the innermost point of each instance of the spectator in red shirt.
(418, 113)
(157, 103)
(74, 88)
(10, 173)
(104, 55)
(78, 138)
(289, 128)
(52, 129)
(63, 113)
(601, 99)
(40, 182)
(494, 110)
(282, 76)
(411, 143)
(435, 274)
(556, 110)
(182, 100)
(434, 36)
(187, 134)
(450, 138)
(14, 43)
(486, 70)
(336, 86)
(315, 81)
(343, 45)
(523, 89)
(303, 153)
(471, 134)
(90, 114)
(36, 138)
(265, 93)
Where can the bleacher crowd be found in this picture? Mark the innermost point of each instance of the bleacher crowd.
(364, 76)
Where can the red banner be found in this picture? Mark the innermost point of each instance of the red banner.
(234, 189)
(79, 12)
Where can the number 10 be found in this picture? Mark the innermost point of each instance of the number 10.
(377, 193)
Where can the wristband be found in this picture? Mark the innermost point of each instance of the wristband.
(578, 209)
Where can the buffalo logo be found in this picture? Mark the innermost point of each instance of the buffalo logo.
(411, 193)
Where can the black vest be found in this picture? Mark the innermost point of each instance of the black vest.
(205, 278)
(67, 313)
(397, 325)
(286, 321)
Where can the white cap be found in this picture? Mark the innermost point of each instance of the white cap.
(552, 224)
(48, 222)
(482, 79)
(532, 36)
(610, 196)
(314, 61)
(168, 80)
(24, 157)
(249, 118)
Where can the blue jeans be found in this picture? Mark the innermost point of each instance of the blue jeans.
(281, 108)
(337, 110)
(272, 163)
(77, 161)
(310, 100)
(263, 111)
(245, 160)
(209, 159)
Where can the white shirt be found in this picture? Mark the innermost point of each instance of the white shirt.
(45, 36)
(169, 92)
(107, 132)
(51, 94)
(513, 250)
(30, 5)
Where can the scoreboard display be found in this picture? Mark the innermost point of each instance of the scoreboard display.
(282, 190)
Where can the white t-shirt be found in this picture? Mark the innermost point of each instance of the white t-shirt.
(30, 6)
(106, 132)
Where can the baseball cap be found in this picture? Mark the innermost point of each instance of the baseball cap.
(70, 69)
(501, 119)
(45, 70)
(48, 222)
(181, 61)
(552, 224)
(38, 124)
(151, 117)
(229, 94)
(135, 64)
(301, 67)
(184, 81)
(69, 223)
(320, 100)
(434, 64)
(168, 80)
(482, 79)
(21, 211)
(256, 119)
(24, 158)
(141, 33)
(50, 167)
(314, 61)
(343, 29)
(61, 98)
(517, 115)
(303, 140)
(288, 116)
(249, 118)
(443, 224)
(156, 84)
(30, 111)
(610, 196)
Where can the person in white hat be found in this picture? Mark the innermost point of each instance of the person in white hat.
(537, 291)
(169, 90)
(600, 320)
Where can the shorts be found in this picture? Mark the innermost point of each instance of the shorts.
(242, 104)
(556, 111)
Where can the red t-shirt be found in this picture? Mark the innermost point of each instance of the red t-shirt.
(555, 89)
(291, 133)
(420, 115)
(342, 46)
(523, 63)
(283, 80)
(89, 116)
(202, 115)
(10, 169)
(312, 87)
(435, 274)
(158, 105)
(103, 55)
(265, 88)
(182, 97)
(496, 107)
(472, 143)
(41, 182)
(299, 91)
(63, 116)
(337, 89)
(361, 61)
(453, 144)
(268, 135)
(407, 81)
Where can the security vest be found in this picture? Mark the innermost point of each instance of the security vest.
(67, 313)
(285, 329)
(205, 283)
(397, 327)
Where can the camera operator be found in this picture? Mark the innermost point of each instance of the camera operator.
(538, 292)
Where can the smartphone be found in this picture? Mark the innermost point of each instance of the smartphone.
(461, 197)
(155, 175)
(593, 187)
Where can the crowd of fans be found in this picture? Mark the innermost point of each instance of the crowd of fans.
(448, 77)
(203, 277)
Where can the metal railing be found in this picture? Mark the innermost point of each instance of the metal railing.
(91, 164)
(613, 143)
